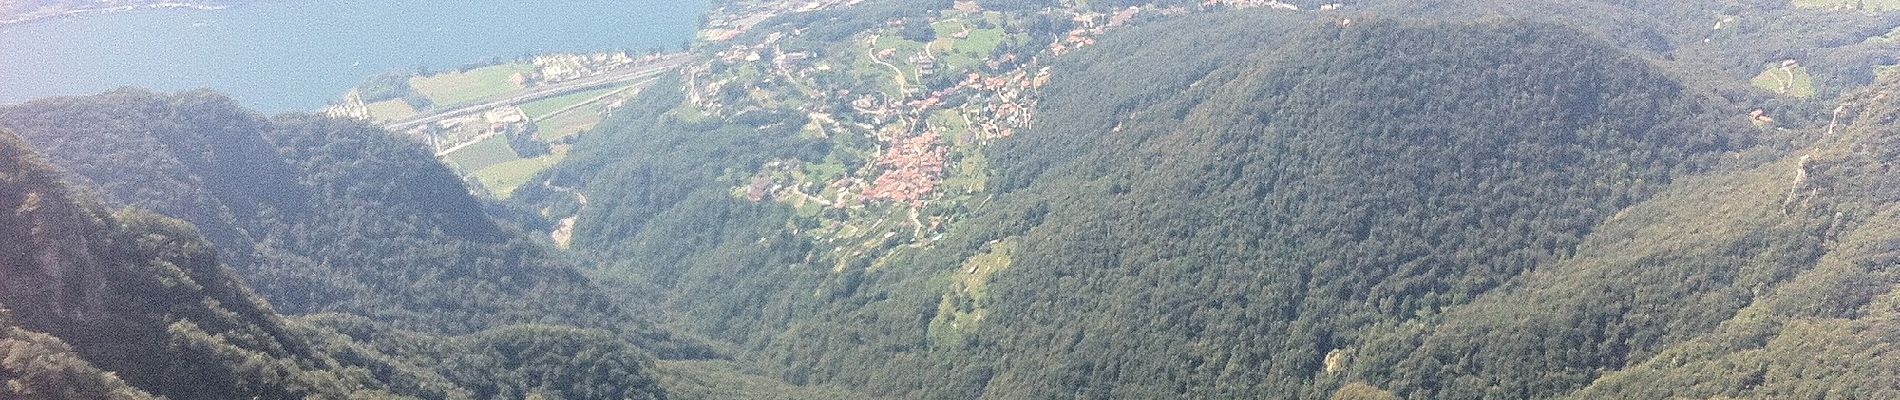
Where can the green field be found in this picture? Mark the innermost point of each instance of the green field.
(390, 110)
(949, 123)
(490, 151)
(543, 108)
(901, 59)
(456, 87)
(863, 68)
(1773, 79)
(956, 54)
(567, 123)
(503, 178)
(1868, 5)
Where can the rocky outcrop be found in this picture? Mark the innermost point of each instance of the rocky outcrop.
(46, 267)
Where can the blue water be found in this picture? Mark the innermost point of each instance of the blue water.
(279, 56)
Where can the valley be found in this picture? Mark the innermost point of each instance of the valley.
(999, 199)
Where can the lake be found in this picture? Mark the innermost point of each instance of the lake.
(279, 56)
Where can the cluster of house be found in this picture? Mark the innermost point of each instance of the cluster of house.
(1092, 24)
(352, 107)
(703, 90)
(1005, 103)
(736, 17)
(448, 133)
(912, 168)
(551, 68)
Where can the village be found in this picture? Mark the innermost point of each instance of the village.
(917, 100)
(910, 106)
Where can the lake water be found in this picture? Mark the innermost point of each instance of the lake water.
(279, 56)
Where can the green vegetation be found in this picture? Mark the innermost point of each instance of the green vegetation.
(719, 380)
(502, 179)
(1282, 246)
(1788, 81)
(118, 305)
(457, 87)
(483, 154)
(1440, 199)
(393, 85)
(567, 124)
(325, 214)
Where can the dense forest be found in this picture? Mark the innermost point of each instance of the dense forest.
(409, 287)
(1294, 208)
(1384, 199)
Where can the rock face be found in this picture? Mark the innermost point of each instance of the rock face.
(142, 297)
(45, 265)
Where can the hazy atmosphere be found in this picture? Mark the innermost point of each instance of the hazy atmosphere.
(950, 199)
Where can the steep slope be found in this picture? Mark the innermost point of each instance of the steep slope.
(1771, 279)
(1789, 292)
(141, 296)
(1369, 173)
(37, 365)
(1212, 206)
(129, 305)
(324, 215)
(1181, 228)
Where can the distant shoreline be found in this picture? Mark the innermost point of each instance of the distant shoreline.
(108, 10)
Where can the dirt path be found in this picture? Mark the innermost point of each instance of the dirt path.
(1787, 85)
(1836, 121)
(903, 85)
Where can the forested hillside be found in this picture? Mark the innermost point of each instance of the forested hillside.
(414, 290)
(101, 304)
(323, 215)
(1772, 279)
(1254, 204)
(1021, 199)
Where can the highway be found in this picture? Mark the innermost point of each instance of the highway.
(542, 92)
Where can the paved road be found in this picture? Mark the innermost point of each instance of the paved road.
(592, 82)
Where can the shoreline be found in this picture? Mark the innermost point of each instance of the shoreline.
(108, 10)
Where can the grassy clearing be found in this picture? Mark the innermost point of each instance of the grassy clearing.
(390, 110)
(490, 151)
(981, 42)
(544, 108)
(567, 124)
(901, 58)
(456, 87)
(1775, 79)
(829, 170)
(962, 309)
(502, 179)
(951, 125)
(868, 70)
(905, 48)
(970, 174)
